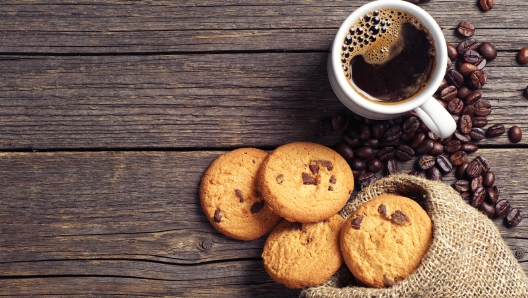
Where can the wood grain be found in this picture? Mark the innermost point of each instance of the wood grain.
(131, 223)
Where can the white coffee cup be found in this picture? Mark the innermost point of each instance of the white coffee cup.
(428, 109)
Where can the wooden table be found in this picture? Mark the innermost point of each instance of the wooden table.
(111, 111)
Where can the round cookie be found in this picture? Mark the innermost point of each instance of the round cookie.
(385, 239)
(305, 182)
(303, 255)
(230, 198)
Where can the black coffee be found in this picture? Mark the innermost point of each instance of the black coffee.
(388, 56)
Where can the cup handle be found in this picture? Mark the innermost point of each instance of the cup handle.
(436, 118)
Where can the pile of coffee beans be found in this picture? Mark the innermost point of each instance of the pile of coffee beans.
(373, 145)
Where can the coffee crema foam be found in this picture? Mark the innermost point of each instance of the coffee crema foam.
(377, 36)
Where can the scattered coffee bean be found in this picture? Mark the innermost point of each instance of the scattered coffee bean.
(458, 158)
(487, 209)
(365, 153)
(484, 163)
(452, 146)
(478, 197)
(354, 143)
(472, 98)
(363, 130)
(466, 69)
(495, 130)
(465, 124)
(344, 150)
(466, 29)
(475, 183)
(462, 137)
(477, 79)
(358, 164)
(392, 167)
(474, 169)
(460, 172)
(425, 147)
(415, 173)
(444, 164)
(454, 78)
(426, 162)
(481, 63)
(462, 185)
(463, 92)
(492, 195)
(443, 84)
(477, 134)
(404, 153)
(386, 154)
(469, 110)
(373, 143)
(480, 121)
(393, 134)
(466, 196)
(469, 147)
(356, 173)
(486, 4)
(366, 179)
(433, 174)
(455, 105)
(522, 56)
(448, 93)
(438, 149)
(338, 122)
(515, 134)
(468, 44)
(452, 51)
(502, 208)
(488, 179)
(374, 165)
(472, 57)
(483, 108)
(488, 51)
(514, 217)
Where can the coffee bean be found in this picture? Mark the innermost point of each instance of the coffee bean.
(488, 51)
(495, 130)
(392, 167)
(444, 141)
(484, 163)
(406, 137)
(478, 197)
(454, 78)
(481, 63)
(477, 79)
(502, 208)
(486, 4)
(492, 196)
(466, 196)
(324, 127)
(338, 122)
(404, 153)
(452, 146)
(460, 172)
(487, 209)
(395, 121)
(374, 165)
(411, 125)
(425, 147)
(417, 140)
(433, 174)
(471, 56)
(469, 147)
(426, 161)
(415, 173)
(373, 143)
(366, 179)
(474, 169)
(483, 108)
(463, 92)
(480, 121)
(448, 93)
(465, 124)
(469, 110)
(462, 185)
(455, 106)
(356, 174)
(466, 69)
(522, 56)
(444, 164)
(488, 179)
(462, 137)
(344, 150)
(477, 134)
(354, 143)
(468, 44)
(432, 136)
(386, 153)
(458, 158)
(438, 149)
(393, 134)
(473, 97)
(379, 128)
(452, 52)
(358, 164)
(515, 134)
(466, 29)
(496, 189)
(363, 130)
(514, 217)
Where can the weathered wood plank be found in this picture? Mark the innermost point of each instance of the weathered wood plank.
(191, 101)
(130, 223)
(183, 26)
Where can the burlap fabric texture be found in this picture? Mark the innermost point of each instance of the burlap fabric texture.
(467, 257)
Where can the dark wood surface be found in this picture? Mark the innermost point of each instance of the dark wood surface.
(110, 112)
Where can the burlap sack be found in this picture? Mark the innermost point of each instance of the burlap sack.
(467, 257)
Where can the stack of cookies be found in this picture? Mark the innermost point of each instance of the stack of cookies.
(296, 192)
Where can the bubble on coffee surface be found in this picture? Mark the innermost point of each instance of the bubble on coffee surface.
(377, 37)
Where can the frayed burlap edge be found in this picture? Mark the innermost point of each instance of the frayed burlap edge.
(467, 257)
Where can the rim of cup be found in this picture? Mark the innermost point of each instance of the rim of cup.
(440, 59)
